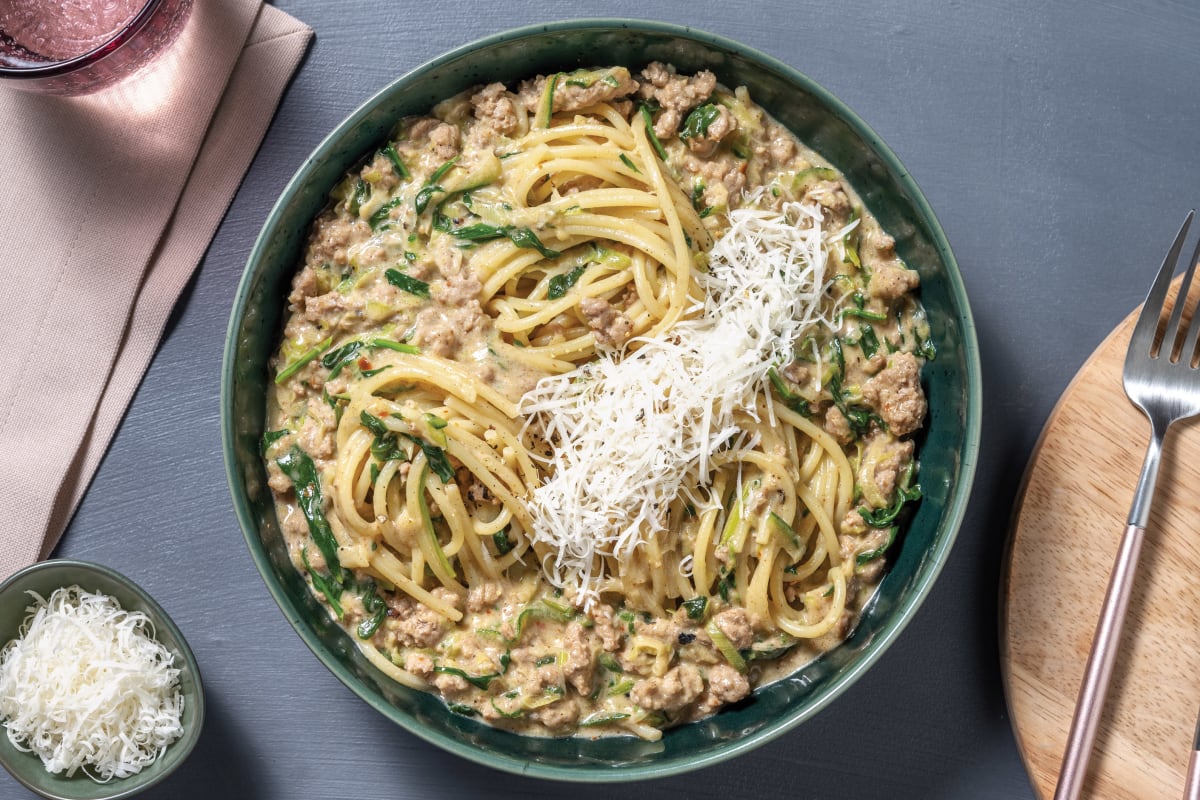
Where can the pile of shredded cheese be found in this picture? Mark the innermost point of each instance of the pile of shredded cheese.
(87, 687)
(628, 434)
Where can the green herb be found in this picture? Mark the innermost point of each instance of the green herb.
(407, 283)
(521, 237)
(271, 437)
(478, 681)
(544, 660)
(627, 618)
(463, 709)
(648, 121)
(361, 194)
(336, 360)
(374, 605)
(441, 171)
(790, 399)
(609, 662)
(884, 517)
(325, 584)
(766, 653)
(871, 555)
(620, 687)
(302, 472)
(426, 193)
(435, 422)
(383, 213)
(559, 284)
(295, 366)
(725, 585)
(399, 347)
(861, 313)
(850, 242)
(436, 457)
(397, 164)
(696, 607)
(481, 232)
(502, 542)
(858, 417)
(524, 237)
(697, 123)
(519, 712)
(867, 341)
(627, 161)
(386, 445)
(366, 373)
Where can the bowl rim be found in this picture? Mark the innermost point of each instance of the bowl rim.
(934, 558)
(182, 747)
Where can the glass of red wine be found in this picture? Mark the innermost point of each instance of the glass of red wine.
(74, 47)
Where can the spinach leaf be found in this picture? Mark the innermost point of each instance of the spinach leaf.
(697, 123)
(559, 284)
(407, 283)
(374, 605)
(436, 457)
(299, 468)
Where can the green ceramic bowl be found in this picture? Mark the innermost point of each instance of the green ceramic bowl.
(948, 450)
(44, 578)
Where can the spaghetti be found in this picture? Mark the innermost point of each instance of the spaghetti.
(594, 405)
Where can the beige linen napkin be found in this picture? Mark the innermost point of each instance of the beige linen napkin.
(107, 204)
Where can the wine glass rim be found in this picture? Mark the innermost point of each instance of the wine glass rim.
(101, 51)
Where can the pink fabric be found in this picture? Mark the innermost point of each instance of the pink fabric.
(108, 202)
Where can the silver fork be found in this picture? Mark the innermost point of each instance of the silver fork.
(1161, 381)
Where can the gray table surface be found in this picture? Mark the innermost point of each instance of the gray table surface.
(1057, 143)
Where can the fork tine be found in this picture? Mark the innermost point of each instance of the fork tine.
(1142, 341)
(1187, 353)
(1171, 333)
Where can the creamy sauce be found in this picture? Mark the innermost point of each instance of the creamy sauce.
(524, 656)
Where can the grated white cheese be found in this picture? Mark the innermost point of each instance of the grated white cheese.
(628, 435)
(86, 686)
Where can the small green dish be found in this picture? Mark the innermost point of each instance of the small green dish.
(948, 449)
(44, 578)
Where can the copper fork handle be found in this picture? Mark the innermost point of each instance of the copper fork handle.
(1099, 666)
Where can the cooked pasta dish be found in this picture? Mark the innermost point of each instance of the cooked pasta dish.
(595, 403)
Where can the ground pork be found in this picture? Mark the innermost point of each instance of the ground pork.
(837, 426)
(413, 624)
(676, 689)
(496, 108)
(316, 433)
(611, 327)
(573, 92)
(890, 282)
(897, 395)
(579, 668)
(725, 685)
(716, 132)
(675, 94)
(443, 137)
(607, 626)
(735, 623)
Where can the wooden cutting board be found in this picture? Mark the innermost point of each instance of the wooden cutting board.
(1068, 522)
